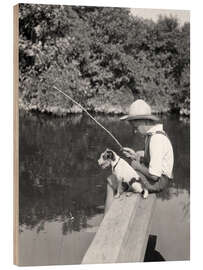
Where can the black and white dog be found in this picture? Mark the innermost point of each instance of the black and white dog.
(124, 173)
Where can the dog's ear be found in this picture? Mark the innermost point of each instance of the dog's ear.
(105, 155)
(110, 154)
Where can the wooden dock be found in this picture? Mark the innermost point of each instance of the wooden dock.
(124, 231)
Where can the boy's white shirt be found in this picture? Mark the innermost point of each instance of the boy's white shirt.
(161, 153)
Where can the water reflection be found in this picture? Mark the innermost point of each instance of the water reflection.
(62, 189)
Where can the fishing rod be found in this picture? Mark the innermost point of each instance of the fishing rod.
(112, 136)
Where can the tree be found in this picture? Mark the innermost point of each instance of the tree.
(100, 54)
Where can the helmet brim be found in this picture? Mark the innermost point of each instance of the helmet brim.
(139, 117)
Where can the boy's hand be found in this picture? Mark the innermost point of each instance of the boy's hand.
(129, 153)
(139, 155)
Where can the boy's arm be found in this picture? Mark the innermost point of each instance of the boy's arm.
(155, 165)
(130, 153)
(144, 170)
(135, 157)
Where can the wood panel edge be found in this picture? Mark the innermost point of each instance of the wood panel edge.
(15, 136)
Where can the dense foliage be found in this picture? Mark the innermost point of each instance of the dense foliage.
(103, 57)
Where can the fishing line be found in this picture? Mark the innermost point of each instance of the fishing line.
(112, 136)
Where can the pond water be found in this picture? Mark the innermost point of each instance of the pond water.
(62, 189)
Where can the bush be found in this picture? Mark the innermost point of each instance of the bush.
(102, 55)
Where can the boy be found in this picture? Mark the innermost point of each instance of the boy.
(155, 163)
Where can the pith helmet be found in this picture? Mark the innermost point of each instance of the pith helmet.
(139, 110)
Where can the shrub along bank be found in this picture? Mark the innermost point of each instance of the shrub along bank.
(103, 57)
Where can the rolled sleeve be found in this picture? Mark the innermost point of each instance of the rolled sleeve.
(156, 155)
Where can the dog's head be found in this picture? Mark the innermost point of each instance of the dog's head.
(106, 158)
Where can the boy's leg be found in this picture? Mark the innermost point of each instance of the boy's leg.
(153, 186)
(164, 182)
(149, 185)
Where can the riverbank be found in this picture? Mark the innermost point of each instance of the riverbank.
(104, 58)
(96, 106)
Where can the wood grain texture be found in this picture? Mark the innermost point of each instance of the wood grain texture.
(15, 136)
(123, 233)
(135, 241)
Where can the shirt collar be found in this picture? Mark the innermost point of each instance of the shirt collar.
(158, 127)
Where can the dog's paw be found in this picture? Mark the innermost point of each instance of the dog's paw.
(117, 196)
(145, 193)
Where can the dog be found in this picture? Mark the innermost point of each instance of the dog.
(127, 177)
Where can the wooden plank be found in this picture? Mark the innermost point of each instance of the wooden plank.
(135, 241)
(15, 136)
(123, 233)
